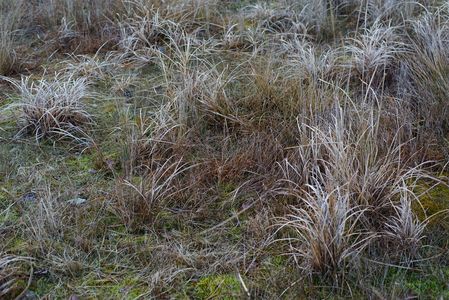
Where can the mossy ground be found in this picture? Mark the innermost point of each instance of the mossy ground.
(433, 205)
(222, 287)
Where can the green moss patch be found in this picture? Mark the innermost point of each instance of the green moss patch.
(433, 201)
(103, 288)
(429, 285)
(225, 287)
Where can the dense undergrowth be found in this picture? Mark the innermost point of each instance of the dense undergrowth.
(205, 149)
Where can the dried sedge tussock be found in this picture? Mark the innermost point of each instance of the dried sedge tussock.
(97, 67)
(125, 84)
(139, 202)
(306, 62)
(200, 256)
(196, 88)
(45, 221)
(271, 90)
(262, 28)
(67, 40)
(427, 64)
(405, 232)
(194, 12)
(86, 17)
(53, 108)
(264, 148)
(272, 20)
(324, 232)
(235, 38)
(351, 154)
(140, 35)
(150, 137)
(314, 14)
(347, 158)
(180, 11)
(347, 169)
(73, 26)
(396, 11)
(291, 91)
(404, 229)
(373, 54)
(150, 28)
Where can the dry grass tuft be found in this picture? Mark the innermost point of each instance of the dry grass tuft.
(53, 108)
(428, 69)
(141, 203)
(324, 232)
(373, 54)
(404, 228)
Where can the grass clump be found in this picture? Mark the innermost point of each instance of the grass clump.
(325, 233)
(53, 108)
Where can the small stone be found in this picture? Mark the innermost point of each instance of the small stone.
(29, 197)
(41, 273)
(128, 94)
(77, 201)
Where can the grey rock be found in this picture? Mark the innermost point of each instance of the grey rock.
(77, 201)
(29, 197)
